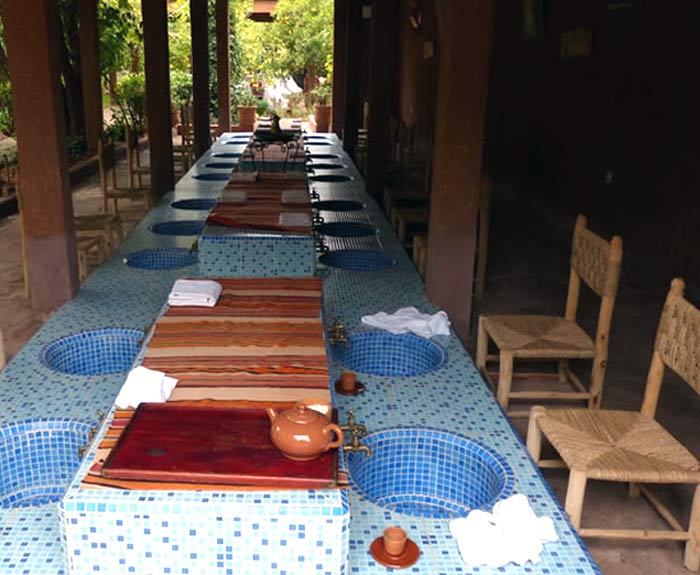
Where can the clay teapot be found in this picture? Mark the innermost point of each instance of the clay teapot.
(302, 432)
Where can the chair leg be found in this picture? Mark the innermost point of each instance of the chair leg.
(534, 433)
(575, 493)
(482, 345)
(561, 370)
(505, 378)
(692, 547)
(634, 491)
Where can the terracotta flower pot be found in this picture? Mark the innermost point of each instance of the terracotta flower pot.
(175, 117)
(322, 117)
(246, 117)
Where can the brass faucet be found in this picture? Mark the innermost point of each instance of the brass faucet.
(355, 444)
(357, 430)
(82, 450)
(352, 425)
(338, 333)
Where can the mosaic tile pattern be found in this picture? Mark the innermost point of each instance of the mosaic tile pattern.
(194, 204)
(382, 353)
(38, 459)
(453, 399)
(429, 473)
(162, 258)
(96, 352)
(345, 229)
(178, 228)
(358, 260)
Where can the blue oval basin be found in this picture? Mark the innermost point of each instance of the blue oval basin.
(429, 473)
(220, 165)
(338, 205)
(39, 460)
(327, 166)
(357, 260)
(226, 155)
(194, 204)
(162, 259)
(320, 156)
(212, 177)
(387, 354)
(95, 352)
(345, 229)
(178, 228)
(329, 178)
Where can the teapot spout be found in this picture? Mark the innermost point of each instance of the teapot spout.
(271, 413)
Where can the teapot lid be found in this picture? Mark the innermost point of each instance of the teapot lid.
(301, 413)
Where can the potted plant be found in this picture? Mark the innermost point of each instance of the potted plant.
(180, 93)
(321, 98)
(247, 108)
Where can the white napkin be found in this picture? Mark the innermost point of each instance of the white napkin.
(410, 319)
(194, 292)
(512, 533)
(145, 385)
(234, 196)
(295, 197)
(295, 220)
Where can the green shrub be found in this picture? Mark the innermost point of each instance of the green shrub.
(180, 88)
(131, 98)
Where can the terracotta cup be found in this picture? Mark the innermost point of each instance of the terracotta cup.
(394, 540)
(348, 381)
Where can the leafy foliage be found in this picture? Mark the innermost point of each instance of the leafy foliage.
(298, 41)
(119, 24)
(131, 99)
(180, 87)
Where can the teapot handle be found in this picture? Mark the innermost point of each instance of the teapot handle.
(339, 433)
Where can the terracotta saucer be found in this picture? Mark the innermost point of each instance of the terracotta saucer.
(359, 388)
(409, 556)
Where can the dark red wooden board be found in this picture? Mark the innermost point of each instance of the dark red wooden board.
(167, 442)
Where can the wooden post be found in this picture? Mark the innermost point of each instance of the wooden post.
(464, 75)
(382, 80)
(351, 123)
(31, 35)
(199, 26)
(90, 69)
(160, 137)
(340, 27)
(223, 65)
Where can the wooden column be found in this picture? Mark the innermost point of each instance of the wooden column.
(31, 35)
(199, 26)
(382, 81)
(462, 91)
(156, 61)
(223, 65)
(353, 23)
(339, 64)
(90, 71)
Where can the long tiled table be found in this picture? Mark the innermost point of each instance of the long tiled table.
(453, 398)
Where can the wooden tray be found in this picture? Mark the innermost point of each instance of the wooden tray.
(203, 444)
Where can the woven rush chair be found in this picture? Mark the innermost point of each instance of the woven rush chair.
(631, 447)
(595, 262)
(135, 169)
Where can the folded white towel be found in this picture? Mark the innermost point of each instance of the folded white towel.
(295, 220)
(145, 385)
(512, 533)
(234, 197)
(295, 197)
(194, 292)
(410, 319)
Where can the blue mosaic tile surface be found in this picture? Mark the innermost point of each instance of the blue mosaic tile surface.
(452, 399)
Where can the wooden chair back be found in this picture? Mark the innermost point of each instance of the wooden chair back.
(677, 346)
(594, 261)
(106, 161)
(186, 132)
(597, 263)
